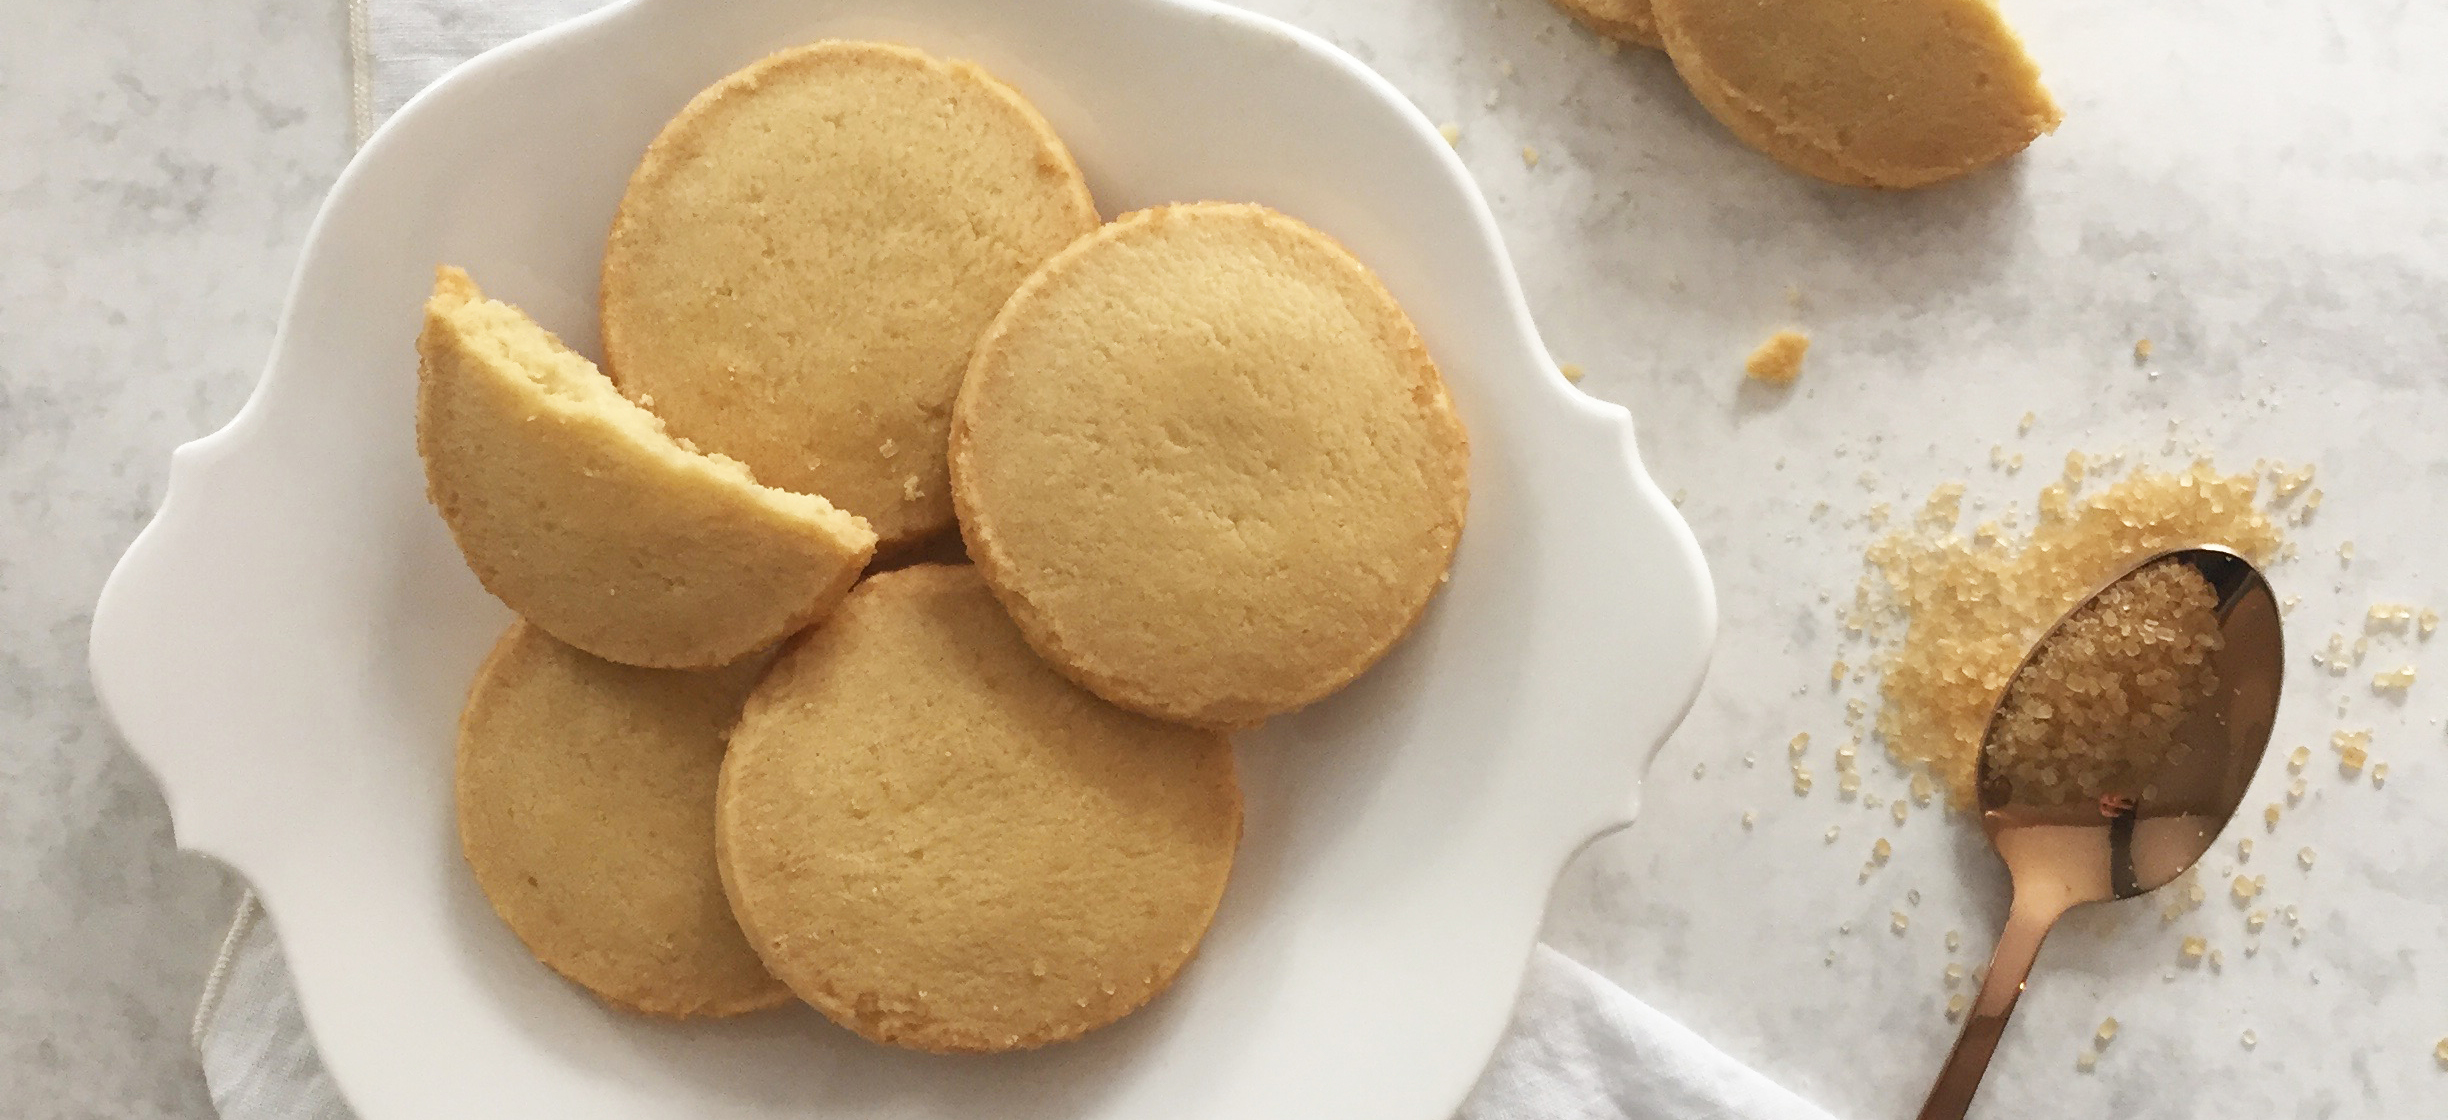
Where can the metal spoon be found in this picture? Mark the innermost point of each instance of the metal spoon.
(2061, 856)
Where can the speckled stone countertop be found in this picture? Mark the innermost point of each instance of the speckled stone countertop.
(163, 159)
(2253, 185)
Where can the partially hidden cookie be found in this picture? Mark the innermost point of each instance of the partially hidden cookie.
(576, 509)
(586, 809)
(1903, 93)
(941, 844)
(1206, 461)
(807, 252)
(1628, 21)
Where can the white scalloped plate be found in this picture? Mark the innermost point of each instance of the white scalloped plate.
(288, 643)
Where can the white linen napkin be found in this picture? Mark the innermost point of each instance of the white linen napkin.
(1580, 1048)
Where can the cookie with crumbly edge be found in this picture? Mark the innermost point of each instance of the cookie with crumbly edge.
(1206, 461)
(585, 797)
(941, 844)
(1625, 21)
(1901, 94)
(806, 253)
(576, 508)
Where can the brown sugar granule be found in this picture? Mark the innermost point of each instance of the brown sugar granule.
(1968, 610)
(2097, 709)
(1778, 360)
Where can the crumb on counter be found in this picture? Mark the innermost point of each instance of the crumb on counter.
(1572, 371)
(1779, 359)
(2142, 351)
(1452, 133)
(1530, 156)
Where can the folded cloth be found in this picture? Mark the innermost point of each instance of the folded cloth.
(1579, 1048)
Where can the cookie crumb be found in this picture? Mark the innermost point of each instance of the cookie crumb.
(1452, 133)
(1530, 156)
(1572, 371)
(2142, 351)
(1779, 359)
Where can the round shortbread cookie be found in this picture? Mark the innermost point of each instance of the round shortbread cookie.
(575, 508)
(1899, 94)
(942, 844)
(1206, 462)
(586, 809)
(808, 251)
(1628, 21)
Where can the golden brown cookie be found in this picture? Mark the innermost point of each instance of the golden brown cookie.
(575, 508)
(941, 844)
(1206, 462)
(1628, 21)
(1900, 93)
(586, 809)
(807, 253)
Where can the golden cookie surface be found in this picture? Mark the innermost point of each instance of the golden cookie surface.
(576, 508)
(1206, 462)
(1886, 93)
(807, 252)
(942, 844)
(585, 797)
(1629, 21)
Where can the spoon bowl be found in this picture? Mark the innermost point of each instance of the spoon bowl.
(2118, 843)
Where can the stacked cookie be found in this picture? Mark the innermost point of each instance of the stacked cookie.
(1892, 93)
(753, 737)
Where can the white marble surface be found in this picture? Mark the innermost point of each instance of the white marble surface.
(159, 162)
(2254, 185)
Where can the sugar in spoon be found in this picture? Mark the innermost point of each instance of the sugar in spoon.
(2140, 830)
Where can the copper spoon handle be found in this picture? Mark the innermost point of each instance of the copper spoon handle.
(2018, 946)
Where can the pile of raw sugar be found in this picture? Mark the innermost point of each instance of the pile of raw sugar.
(2098, 710)
(1958, 614)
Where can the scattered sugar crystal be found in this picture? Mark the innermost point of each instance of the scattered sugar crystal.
(1974, 611)
(2395, 680)
(1897, 920)
(2297, 758)
(2305, 857)
(2379, 774)
(2192, 951)
(2250, 1040)
(1954, 941)
(2255, 920)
